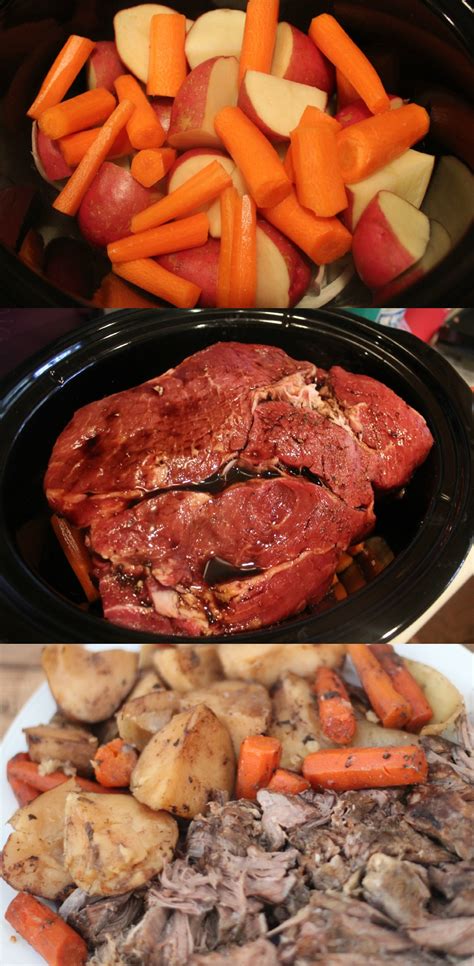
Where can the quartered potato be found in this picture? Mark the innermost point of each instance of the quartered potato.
(33, 856)
(63, 744)
(113, 844)
(369, 734)
(88, 685)
(187, 760)
(244, 709)
(138, 720)
(148, 681)
(444, 698)
(267, 662)
(186, 667)
(295, 721)
(146, 654)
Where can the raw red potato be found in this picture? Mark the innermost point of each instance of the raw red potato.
(132, 36)
(391, 236)
(198, 265)
(207, 89)
(276, 105)
(195, 160)
(296, 58)
(104, 66)
(110, 203)
(358, 111)
(408, 177)
(217, 33)
(163, 107)
(438, 247)
(47, 157)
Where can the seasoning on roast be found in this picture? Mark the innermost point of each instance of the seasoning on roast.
(147, 470)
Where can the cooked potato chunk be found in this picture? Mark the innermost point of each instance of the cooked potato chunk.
(188, 759)
(145, 657)
(63, 744)
(245, 709)
(113, 844)
(33, 856)
(267, 662)
(141, 718)
(187, 667)
(295, 721)
(148, 681)
(444, 698)
(88, 685)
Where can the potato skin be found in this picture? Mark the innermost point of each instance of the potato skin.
(113, 844)
(184, 763)
(62, 743)
(87, 685)
(187, 667)
(267, 662)
(138, 720)
(244, 708)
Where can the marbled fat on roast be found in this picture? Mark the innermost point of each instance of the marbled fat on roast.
(199, 465)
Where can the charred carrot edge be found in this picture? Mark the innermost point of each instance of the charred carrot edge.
(369, 145)
(258, 758)
(113, 764)
(46, 932)
(167, 66)
(261, 21)
(405, 684)
(334, 706)
(243, 283)
(391, 707)
(63, 72)
(253, 154)
(143, 127)
(229, 202)
(337, 46)
(72, 544)
(348, 769)
(27, 771)
(81, 112)
(175, 236)
(153, 278)
(287, 782)
(202, 187)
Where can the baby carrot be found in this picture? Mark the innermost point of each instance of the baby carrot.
(23, 792)
(405, 684)
(346, 56)
(113, 764)
(312, 116)
(287, 782)
(174, 237)
(151, 165)
(70, 197)
(63, 72)
(334, 706)
(346, 92)
(261, 22)
(73, 147)
(46, 932)
(144, 127)
(77, 114)
(322, 239)
(259, 756)
(115, 294)
(369, 145)
(257, 159)
(314, 156)
(27, 771)
(152, 277)
(347, 769)
(243, 282)
(202, 187)
(391, 707)
(229, 203)
(167, 65)
(71, 541)
(288, 165)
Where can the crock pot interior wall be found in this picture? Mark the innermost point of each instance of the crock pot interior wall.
(433, 40)
(131, 348)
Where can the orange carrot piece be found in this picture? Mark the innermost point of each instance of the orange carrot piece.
(261, 23)
(143, 127)
(257, 159)
(335, 43)
(153, 278)
(74, 146)
(23, 792)
(322, 239)
(405, 684)
(72, 544)
(77, 114)
(243, 282)
(202, 187)
(174, 237)
(312, 115)
(69, 199)
(334, 706)
(346, 92)
(369, 145)
(115, 294)
(287, 782)
(27, 771)
(113, 764)
(258, 758)
(391, 707)
(32, 250)
(314, 156)
(229, 203)
(347, 769)
(151, 165)
(61, 75)
(167, 67)
(288, 165)
(46, 932)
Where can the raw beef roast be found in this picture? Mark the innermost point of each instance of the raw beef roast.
(196, 520)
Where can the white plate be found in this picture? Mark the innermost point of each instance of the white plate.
(453, 660)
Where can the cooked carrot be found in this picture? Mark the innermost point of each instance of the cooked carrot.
(334, 706)
(338, 47)
(369, 145)
(74, 146)
(347, 769)
(405, 684)
(143, 127)
(151, 165)
(153, 278)
(174, 237)
(202, 187)
(258, 758)
(323, 239)
(346, 92)
(319, 184)
(115, 294)
(28, 771)
(167, 65)
(72, 544)
(61, 75)
(287, 782)
(243, 282)
(257, 159)
(46, 932)
(229, 204)
(261, 21)
(69, 199)
(23, 792)
(113, 763)
(391, 707)
(81, 112)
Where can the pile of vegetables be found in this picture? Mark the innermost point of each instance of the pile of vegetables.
(271, 183)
